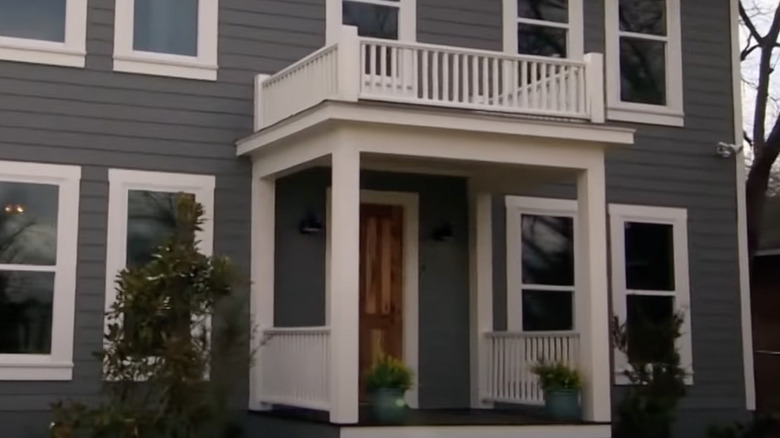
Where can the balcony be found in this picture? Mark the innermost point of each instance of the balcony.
(366, 69)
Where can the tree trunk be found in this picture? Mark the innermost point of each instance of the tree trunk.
(755, 197)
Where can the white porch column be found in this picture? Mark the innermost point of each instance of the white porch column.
(262, 273)
(344, 306)
(481, 291)
(592, 302)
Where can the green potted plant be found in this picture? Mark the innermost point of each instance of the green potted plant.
(561, 385)
(387, 382)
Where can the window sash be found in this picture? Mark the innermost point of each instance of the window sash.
(620, 215)
(574, 27)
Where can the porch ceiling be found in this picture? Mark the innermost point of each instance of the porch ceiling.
(393, 133)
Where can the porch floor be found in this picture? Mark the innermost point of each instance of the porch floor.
(515, 416)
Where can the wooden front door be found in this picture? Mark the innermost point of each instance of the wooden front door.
(381, 283)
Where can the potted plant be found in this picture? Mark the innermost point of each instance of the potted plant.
(561, 385)
(387, 382)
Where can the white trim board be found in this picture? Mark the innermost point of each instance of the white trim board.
(121, 181)
(411, 241)
(550, 431)
(203, 66)
(742, 239)
(58, 364)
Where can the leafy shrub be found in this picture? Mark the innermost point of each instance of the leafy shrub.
(554, 376)
(389, 373)
(169, 369)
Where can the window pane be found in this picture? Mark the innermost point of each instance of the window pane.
(649, 335)
(649, 256)
(541, 40)
(151, 220)
(371, 20)
(547, 311)
(643, 16)
(34, 19)
(26, 300)
(642, 71)
(548, 250)
(547, 10)
(166, 26)
(28, 223)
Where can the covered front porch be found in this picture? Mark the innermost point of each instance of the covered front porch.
(424, 163)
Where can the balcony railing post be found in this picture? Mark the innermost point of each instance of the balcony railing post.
(259, 102)
(349, 68)
(594, 86)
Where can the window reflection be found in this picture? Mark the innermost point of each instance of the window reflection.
(649, 257)
(166, 26)
(28, 223)
(33, 19)
(151, 221)
(545, 10)
(541, 40)
(26, 303)
(375, 21)
(643, 16)
(548, 250)
(642, 71)
(547, 310)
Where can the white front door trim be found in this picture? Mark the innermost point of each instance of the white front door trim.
(411, 239)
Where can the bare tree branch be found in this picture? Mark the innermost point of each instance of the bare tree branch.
(764, 72)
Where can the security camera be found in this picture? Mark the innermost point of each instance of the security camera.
(727, 150)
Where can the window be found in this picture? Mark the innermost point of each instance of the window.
(650, 280)
(386, 19)
(38, 251)
(44, 31)
(142, 215)
(167, 38)
(543, 27)
(644, 61)
(540, 264)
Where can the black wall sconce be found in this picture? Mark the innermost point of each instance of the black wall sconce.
(311, 224)
(443, 232)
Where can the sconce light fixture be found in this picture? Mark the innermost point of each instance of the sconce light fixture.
(443, 232)
(311, 224)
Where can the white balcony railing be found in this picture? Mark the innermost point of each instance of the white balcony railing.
(294, 367)
(512, 355)
(358, 68)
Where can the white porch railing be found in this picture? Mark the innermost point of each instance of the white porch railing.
(294, 366)
(512, 355)
(424, 74)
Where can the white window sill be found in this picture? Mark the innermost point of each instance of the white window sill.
(41, 52)
(648, 115)
(33, 370)
(157, 64)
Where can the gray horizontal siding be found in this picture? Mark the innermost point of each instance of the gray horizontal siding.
(100, 119)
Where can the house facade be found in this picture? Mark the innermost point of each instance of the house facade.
(470, 186)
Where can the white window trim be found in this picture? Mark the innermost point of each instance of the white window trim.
(59, 364)
(678, 218)
(70, 53)
(121, 181)
(575, 36)
(672, 113)
(407, 18)
(202, 67)
(516, 206)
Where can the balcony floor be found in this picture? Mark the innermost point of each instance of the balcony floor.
(519, 416)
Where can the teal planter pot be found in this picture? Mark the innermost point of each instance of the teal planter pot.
(388, 405)
(563, 404)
